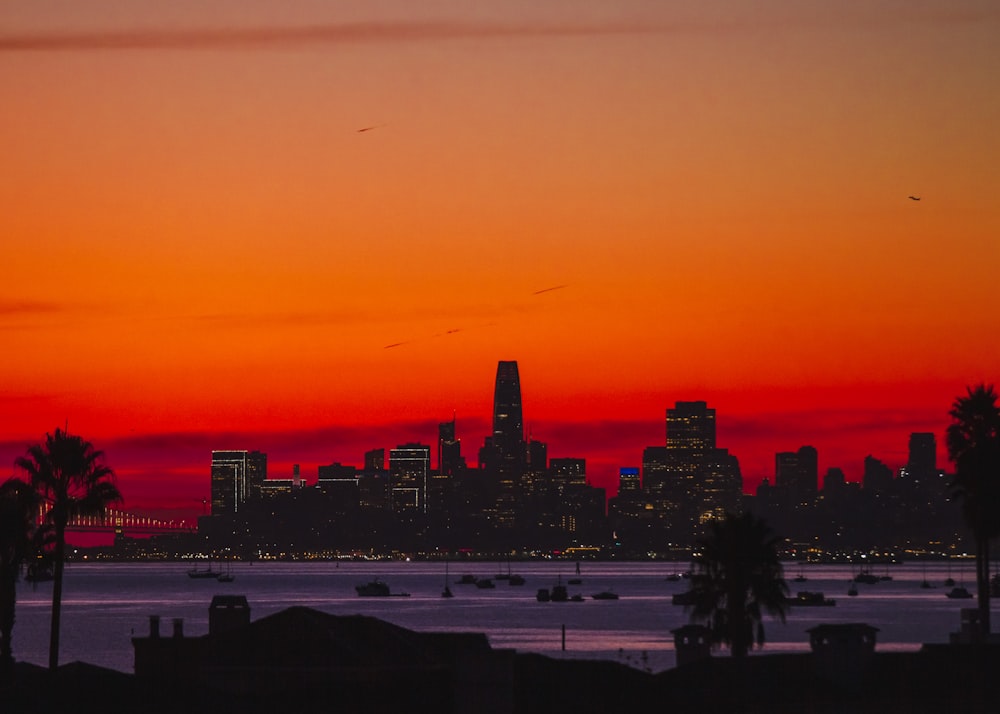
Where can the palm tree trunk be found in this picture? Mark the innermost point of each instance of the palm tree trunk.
(983, 586)
(8, 598)
(57, 582)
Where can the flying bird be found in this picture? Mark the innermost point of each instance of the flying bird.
(914, 198)
(369, 128)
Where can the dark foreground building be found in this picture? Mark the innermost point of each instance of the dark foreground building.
(303, 660)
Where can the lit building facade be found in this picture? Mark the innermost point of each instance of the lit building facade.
(236, 477)
(409, 466)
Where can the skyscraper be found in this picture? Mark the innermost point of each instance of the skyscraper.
(922, 462)
(449, 449)
(695, 481)
(691, 428)
(409, 465)
(797, 473)
(236, 476)
(508, 421)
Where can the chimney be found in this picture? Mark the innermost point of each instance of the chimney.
(154, 626)
(228, 612)
(179, 627)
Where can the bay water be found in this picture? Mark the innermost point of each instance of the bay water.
(105, 604)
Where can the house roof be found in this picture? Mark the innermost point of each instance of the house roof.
(304, 637)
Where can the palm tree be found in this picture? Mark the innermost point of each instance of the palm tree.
(973, 440)
(737, 577)
(18, 514)
(70, 477)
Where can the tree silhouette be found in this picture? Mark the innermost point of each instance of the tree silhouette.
(69, 475)
(737, 578)
(18, 544)
(973, 440)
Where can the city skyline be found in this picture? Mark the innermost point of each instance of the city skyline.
(312, 230)
(690, 431)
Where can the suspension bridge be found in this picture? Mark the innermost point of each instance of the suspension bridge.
(114, 520)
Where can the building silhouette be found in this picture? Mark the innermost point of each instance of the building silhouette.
(690, 429)
(796, 475)
(508, 442)
(449, 454)
(236, 477)
(409, 469)
(703, 481)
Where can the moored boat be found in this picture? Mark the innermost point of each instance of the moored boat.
(377, 588)
(204, 574)
(811, 599)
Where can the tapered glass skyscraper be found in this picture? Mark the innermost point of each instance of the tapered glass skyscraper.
(508, 421)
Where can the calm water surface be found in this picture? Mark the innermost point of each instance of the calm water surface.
(106, 603)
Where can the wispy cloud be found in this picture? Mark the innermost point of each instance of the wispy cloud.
(253, 38)
(18, 308)
(284, 319)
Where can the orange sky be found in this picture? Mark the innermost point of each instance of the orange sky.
(198, 241)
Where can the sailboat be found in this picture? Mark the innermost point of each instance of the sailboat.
(226, 577)
(511, 578)
(203, 574)
(447, 590)
(949, 581)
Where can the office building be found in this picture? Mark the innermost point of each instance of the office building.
(508, 421)
(409, 465)
(236, 477)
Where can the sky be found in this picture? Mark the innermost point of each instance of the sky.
(314, 228)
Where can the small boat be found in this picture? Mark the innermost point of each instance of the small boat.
(502, 575)
(575, 581)
(576, 598)
(605, 595)
(867, 577)
(226, 577)
(466, 580)
(558, 593)
(673, 578)
(811, 599)
(204, 574)
(515, 580)
(958, 593)
(377, 588)
(447, 590)
(853, 590)
(543, 595)
(485, 584)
